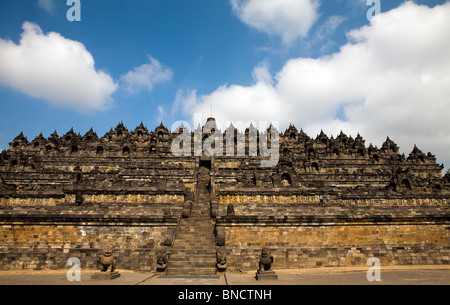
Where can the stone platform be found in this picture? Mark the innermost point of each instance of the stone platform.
(105, 275)
(266, 276)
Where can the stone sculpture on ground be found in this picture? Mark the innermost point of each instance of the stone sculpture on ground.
(107, 261)
(221, 260)
(265, 264)
(162, 260)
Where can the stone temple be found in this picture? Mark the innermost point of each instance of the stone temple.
(327, 202)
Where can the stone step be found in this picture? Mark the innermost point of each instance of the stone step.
(182, 253)
(195, 231)
(196, 234)
(191, 245)
(186, 247)
(196, 224)
(194, 262)
(200, 207)
(197, 219)
(204, 214)
(197, 237)
(202, 218)
(189, 249)
(190, 255)
(199, 222)
(193, 252)
(191, 271)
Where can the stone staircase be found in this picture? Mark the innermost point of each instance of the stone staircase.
(194, 252)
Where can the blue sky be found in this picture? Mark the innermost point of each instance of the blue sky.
(314, 63)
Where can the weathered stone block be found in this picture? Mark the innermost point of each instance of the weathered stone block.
(105, 275)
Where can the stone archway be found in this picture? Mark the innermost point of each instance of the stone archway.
(406, 184)
(286, 180)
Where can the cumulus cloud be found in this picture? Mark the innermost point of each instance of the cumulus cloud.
(390, 79)
(146, 76)
(47, 5)
(54, 68)
(289, 19)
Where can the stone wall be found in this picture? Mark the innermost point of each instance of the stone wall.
(44, 237)
(26, 246)
(244, 199)
(336, 237)
(330, 201)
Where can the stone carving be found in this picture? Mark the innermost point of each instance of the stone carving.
(79, 199)
(107, 260)
(265, 261)
(230, 210)
(170, 237)
(162, 260)
(286, 180)
(265, 264)
(221, 259)
(122, 174)
(70, 151)
(285, 183)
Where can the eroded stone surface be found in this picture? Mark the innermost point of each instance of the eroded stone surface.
(328, 202)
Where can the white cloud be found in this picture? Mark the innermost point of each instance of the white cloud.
(146, 76)
(392, 79)
(54, 68)
(161, 113)
(289, 19)
(48, 5)
(330, 26)
(259, 102)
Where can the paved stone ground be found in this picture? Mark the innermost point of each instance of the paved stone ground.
(397, 275)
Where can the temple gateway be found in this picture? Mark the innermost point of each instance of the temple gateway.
(327, 202)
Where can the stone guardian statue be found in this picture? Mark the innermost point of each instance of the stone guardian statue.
(264, 266)
(107, 260)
